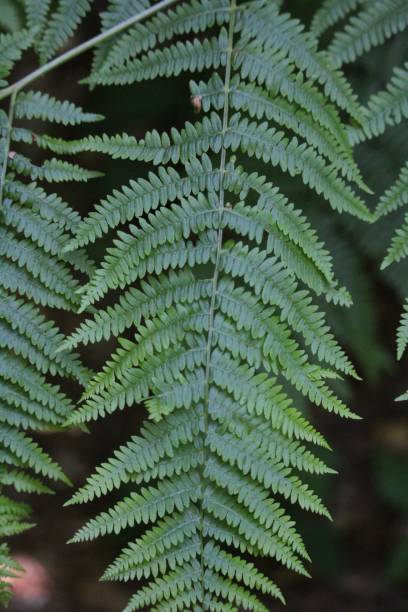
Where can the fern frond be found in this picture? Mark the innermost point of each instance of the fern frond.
(386, 108)
(259, 140)
(115, 13)
(143, 196)
(287, 35)
(12, 47)
(218, 275)
(36, 13)
(396, 196)
(390, 108)
(260, 104)
(38, 105)
(398, 248)
(189, 17)
(180, 57)
(8, 569)
(62, 25)
(34, 229)
(372, 26)
(331, 12)
(49, 207)
(52, 170)
(402, 333)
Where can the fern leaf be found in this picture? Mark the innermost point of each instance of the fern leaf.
(36, 12)
(52, 170)
(259, 140)
(396, 196)
(386, 108)
(190, 17)
(398, 248)
(260, 104)
(372, 26)
(30, 453)
(37, 105)
(143, 196)
(62, 25)
(12, 47)
(49, 207)
(402, 334)
(8, 569)
(287, 34)
(218, 274)
(331, 12)
(115, 13)
(35, 227)
(180, 57)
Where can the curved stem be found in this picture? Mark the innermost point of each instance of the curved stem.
(215, 279)
(89, 44)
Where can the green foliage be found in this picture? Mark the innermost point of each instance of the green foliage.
(331, 12)
(385, 109)
(37, 105)
(11, 49)
(34, 228)
(374, 23)
(216, 275)
(218, 282)
(62, 24)
(36, 13)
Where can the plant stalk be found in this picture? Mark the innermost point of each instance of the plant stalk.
(213, 305)
(78, 50)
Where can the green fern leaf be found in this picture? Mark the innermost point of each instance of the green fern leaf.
(12, 47)
(386, 108)
(36, 12)
(331, 12)
(216, 273)
(372, 26)
(35, 227)
(396, 196)
(62, 25)
(37, 105)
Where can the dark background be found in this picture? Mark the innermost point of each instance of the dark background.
(360, 561)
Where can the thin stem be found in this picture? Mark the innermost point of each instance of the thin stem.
(7, 145)
(221, 207)
(89, 44)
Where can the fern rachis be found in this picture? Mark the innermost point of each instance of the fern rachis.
(217, 272)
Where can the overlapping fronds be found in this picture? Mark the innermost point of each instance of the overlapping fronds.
(386, 109)
(11, 49)
(331, 12)
(368, 25)
(394, 198)
(372, 25)
(216, 274)
(55, 25)
(34, 273)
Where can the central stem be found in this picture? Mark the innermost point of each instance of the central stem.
(221, 206)
(86, 46)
